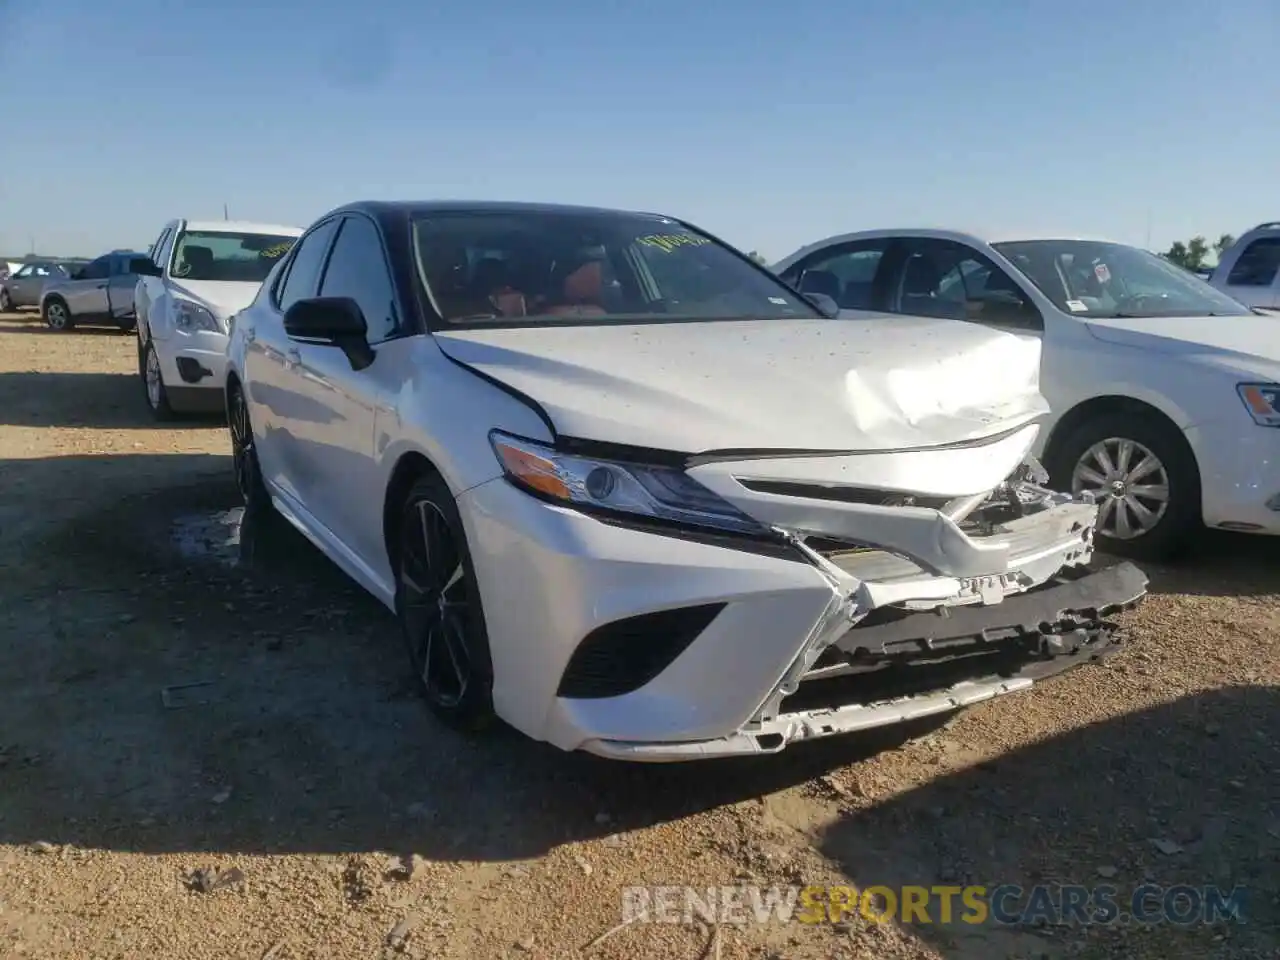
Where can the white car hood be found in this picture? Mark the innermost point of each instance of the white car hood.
(222, 297)
(871, 384)
(1251, 337)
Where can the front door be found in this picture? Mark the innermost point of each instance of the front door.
(86, 294)
(333, 419)
(270, 357)
(120, 286)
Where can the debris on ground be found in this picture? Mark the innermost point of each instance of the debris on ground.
(211, 880)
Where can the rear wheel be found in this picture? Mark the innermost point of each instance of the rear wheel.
(438, 606)
(57, 316)
(1144, 476)
(6, 301)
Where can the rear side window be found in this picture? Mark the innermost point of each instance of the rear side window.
(1257, 265)
(302, 275)
(98, 269)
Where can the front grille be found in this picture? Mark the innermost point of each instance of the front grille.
(863, 495)
(624, 655)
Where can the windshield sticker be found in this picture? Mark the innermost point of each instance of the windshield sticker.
(1101, 272)
(1077, 306)
(670, 242)
(276, 252)
(778, 300)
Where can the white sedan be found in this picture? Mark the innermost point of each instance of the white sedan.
(1165, 393)
(628, 491)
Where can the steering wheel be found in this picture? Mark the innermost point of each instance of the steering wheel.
(1135, 300)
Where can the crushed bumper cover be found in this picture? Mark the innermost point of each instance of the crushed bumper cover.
(994, 648)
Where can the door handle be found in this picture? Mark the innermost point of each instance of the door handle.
(249, 335)
(292, 357)
(102, 286)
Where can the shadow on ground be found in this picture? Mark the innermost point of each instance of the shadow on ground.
(84, 400)
(29, 321)
(1190, 789)
(1222, 564)
(304, 731)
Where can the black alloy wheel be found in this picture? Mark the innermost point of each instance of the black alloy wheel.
(438, 605)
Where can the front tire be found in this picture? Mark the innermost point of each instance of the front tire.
(153, 383)
(439, 608)
(244, 455)
(57, 315)
(1145, 479)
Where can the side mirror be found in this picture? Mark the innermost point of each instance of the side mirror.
(144, 267)
(331, 321)
(825, 304)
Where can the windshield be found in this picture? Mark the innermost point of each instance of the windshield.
(1096, 279)
(564, 266)
(230, 256)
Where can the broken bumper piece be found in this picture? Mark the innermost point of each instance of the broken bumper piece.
(914, 665)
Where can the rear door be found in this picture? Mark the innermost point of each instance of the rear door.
(25, 285)
(1253, 274)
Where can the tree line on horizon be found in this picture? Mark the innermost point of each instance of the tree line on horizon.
(1195, 252)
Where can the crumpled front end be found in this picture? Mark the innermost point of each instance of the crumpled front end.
(938, 599)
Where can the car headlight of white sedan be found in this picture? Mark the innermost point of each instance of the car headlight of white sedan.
(191, 317)
(656, 492)
(1262, 401)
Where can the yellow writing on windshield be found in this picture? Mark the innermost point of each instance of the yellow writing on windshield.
(276, 252)
(669, 242)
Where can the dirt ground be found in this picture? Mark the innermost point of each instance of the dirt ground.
(361, 828)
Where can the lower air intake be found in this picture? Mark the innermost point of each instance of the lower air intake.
(622, 656)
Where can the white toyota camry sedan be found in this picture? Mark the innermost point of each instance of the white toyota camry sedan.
(634, 495)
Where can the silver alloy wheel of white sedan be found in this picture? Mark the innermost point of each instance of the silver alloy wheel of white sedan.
(1130, 483)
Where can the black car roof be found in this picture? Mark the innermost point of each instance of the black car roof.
(401, 210)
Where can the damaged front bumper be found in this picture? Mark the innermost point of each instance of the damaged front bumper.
(985, 605)
(653, 644)
(1020, 641)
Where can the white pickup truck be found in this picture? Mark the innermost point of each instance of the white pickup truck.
(199, 273)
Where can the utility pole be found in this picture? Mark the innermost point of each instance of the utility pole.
(225, 215)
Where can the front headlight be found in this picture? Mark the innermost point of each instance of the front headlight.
(1262, 400)
(192, 316)
(662, 493)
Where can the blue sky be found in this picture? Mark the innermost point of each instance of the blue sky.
(771, 124)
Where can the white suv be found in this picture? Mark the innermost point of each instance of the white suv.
(200, 274)
(1250, 269)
